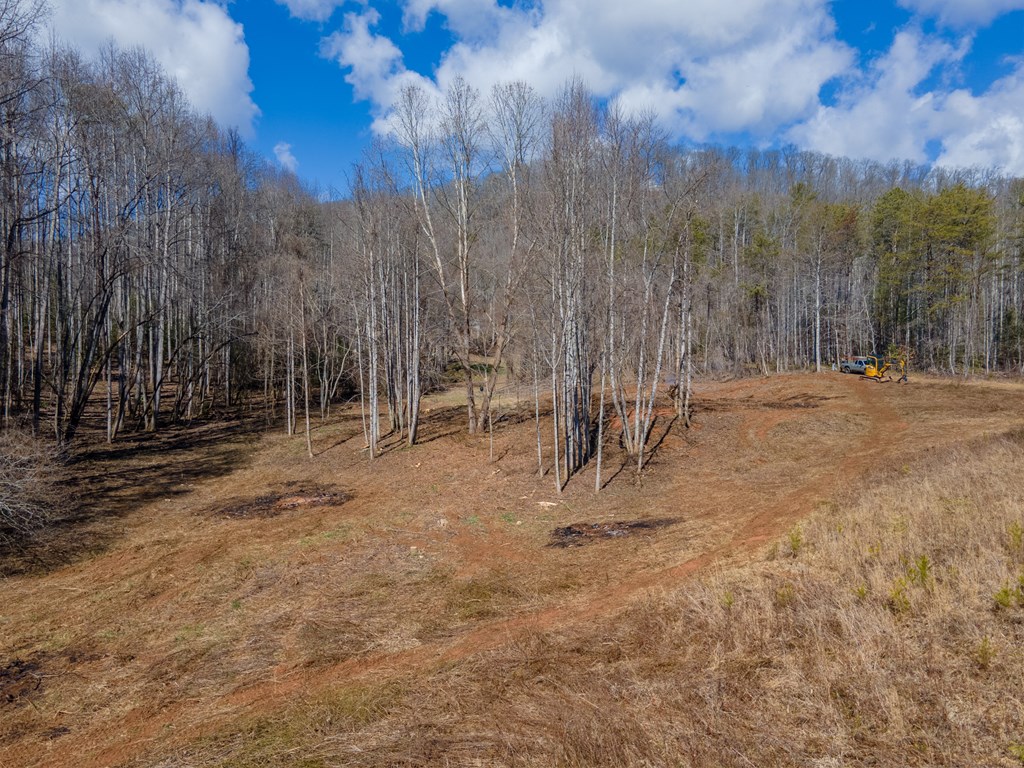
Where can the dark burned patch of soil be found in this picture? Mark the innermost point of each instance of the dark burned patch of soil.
(804, 400)
(18, 680)
(23, 677)
(580, 534)
(273, 504)
(796, 401)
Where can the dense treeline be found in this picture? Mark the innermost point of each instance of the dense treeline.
(146, 252)
(154, 271)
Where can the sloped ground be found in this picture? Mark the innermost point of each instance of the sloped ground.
(243, 605)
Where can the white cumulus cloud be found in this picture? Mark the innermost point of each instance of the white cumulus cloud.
(195, 41)
(985, 130)
(962, 13)
(704, 66)
(283, 153)
(375, 65)
(711, 70)
(883, 117)
(312, 10)
(890, 115)
(468, 19)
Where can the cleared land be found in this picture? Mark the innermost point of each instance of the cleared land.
(759, 596)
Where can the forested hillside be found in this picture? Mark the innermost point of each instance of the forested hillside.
(155, 271)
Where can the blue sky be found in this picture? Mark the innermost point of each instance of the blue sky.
(309, 83)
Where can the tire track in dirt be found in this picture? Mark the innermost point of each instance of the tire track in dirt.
(865, 453)
(141, 729)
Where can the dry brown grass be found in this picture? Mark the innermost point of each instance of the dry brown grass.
(888, 630)
(419, 617)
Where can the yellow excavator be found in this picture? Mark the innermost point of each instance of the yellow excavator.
(877, 368)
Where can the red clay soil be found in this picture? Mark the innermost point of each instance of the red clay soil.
(763, 455)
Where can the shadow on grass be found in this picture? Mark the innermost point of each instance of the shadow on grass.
(650, 453)
(451, 421)
(106, 482)
(441, 422)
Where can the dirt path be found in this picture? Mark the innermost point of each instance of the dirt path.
(799, 441)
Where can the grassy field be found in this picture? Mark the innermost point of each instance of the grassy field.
(823, 572)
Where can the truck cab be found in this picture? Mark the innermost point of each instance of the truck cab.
(853, 365)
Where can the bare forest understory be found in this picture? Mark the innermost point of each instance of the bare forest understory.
(822, 571)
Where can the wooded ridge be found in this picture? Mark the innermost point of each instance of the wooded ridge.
(154, 270)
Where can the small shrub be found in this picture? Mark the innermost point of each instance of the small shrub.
(796, 541)
(1015, 532)
(784, 596)
(1005, 597)
(31, 475)
(899, 601)
(985, 653)
(1010, 595)
(920, 571)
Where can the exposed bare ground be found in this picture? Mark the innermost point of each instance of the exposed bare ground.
(236, 584)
